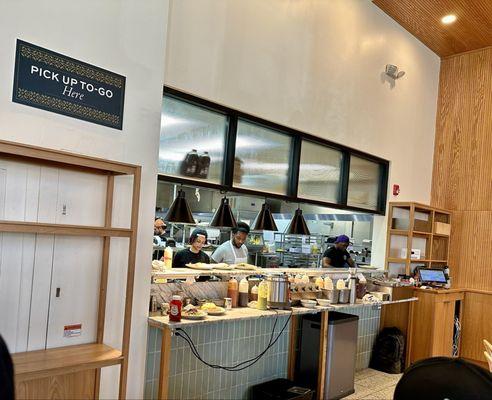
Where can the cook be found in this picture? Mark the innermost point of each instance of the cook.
(194, 254)
(337, 256)
(234, 251)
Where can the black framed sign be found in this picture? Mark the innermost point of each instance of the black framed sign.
(54, 82)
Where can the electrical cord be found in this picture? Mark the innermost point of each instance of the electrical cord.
(242, 365)
(236, 367)
(195, 351)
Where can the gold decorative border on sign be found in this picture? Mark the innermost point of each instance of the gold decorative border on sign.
(70, 66)
(67, 107)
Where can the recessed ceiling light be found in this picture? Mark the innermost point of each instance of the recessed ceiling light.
(448, 19)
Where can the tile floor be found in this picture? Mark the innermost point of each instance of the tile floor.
(375, 385)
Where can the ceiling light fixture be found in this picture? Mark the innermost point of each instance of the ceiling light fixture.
(448, 19)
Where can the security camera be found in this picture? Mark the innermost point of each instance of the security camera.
(392, 71)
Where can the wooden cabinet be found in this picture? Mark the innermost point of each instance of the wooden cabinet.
(432, 323)
(417, 234)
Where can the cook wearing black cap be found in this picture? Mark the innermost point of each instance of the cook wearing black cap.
(194, 254)
(233, 251)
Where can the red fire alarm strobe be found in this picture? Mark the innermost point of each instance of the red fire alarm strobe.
(396, 190)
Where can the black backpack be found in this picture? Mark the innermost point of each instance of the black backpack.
(388, 351)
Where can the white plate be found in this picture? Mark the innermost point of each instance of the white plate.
(245, 267)
(202, 315)
(223, 266)
(200, 266)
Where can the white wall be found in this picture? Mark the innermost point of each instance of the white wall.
(127, 37)
(315, 66)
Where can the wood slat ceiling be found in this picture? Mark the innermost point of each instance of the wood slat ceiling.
(422, 18)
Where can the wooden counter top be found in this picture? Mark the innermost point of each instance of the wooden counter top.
(242, 313)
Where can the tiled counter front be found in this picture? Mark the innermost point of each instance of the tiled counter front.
(226, 343)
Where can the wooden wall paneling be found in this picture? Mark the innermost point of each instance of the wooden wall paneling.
(422, 18)
(476, 325)
(78, 385)
(395, 315)
(422, 328)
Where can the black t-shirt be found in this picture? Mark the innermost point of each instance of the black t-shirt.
(338, 257)
(186, 256)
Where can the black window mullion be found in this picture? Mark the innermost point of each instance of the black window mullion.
(230, 151)
(383, 187)
(295, 164)
(344, 178)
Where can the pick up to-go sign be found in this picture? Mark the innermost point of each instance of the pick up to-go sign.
(54, 82)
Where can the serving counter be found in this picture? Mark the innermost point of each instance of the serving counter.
(174, 372)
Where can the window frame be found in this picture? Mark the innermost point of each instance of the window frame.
(297, 137)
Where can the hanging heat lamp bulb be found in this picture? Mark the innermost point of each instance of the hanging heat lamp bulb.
(298, 224)
(180, 211)
(223, 217)
(264, 220)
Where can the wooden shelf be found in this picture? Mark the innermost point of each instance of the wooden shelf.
(441, 235)
(422, 233)
(63, 360)
(439, 261)
(414, 260)
(60, 229)
(398, 232)
(63, 159)
(397, 260)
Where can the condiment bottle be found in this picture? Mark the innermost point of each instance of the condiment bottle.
(340, 284)
(254, 293)
(175, 309)
(262, 295)
(233, 291)
(168, 257)
(243, 292)
(328, 283)
(305, 279)
(319, 282)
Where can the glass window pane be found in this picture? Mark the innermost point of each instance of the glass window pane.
(262, 158)
(363, 183)
(185, 128)
(319, 172)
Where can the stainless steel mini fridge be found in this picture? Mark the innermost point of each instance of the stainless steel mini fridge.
(340, 358)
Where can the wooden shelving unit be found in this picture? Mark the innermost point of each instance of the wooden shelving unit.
(36, 366)
(410, 222)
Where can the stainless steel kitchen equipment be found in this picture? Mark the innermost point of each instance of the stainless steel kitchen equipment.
(332, 295)
(278, 291)
(344, 296)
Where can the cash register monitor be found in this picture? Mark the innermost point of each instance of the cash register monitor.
(432, 276)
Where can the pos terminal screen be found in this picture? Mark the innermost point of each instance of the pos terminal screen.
(432, 275)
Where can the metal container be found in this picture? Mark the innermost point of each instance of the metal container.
(332, 295)
(278, 291)
(344, 296)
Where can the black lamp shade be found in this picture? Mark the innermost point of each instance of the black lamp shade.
(264, 220)
(223, 216)
(180, 210)
(298, 225)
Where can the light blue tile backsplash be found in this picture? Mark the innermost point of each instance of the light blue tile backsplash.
(229, 343)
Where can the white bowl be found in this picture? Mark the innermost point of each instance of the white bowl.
(323, 302)
(308, 303)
